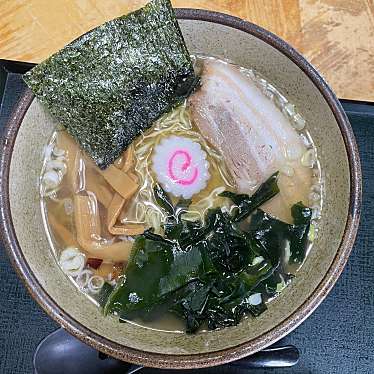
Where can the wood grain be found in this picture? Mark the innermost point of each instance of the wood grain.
(336, 36)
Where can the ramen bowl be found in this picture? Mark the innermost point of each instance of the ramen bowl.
(24, 237)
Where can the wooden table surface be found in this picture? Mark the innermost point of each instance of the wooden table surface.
(336, 36)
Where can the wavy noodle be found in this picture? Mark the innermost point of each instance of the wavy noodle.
(143, 207)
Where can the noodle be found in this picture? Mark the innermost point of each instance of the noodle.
(143, 207)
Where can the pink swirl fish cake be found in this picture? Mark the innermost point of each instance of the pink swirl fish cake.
(180, 166)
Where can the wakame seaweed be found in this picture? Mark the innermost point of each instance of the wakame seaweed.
(155, 270)
(208, 272)
(276, 236)
(247, 204)
(110, 84)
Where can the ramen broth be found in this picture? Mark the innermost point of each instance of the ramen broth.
(92, 216)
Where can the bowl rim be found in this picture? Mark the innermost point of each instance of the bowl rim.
(9, 239)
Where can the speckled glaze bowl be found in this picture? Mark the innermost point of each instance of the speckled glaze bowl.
(22, 229)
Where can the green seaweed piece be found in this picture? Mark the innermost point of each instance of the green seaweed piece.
(163, 200)
(155, 270)
(247, 204)
(276, 236)
(206, 272)
(220, 301)
(139, 287)
(110, 84)
(229, 247)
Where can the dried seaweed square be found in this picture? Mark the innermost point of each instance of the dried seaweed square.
(110, 84)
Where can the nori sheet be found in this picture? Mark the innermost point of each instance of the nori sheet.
(110, 84)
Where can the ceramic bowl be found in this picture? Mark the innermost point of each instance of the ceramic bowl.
(23, 234)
